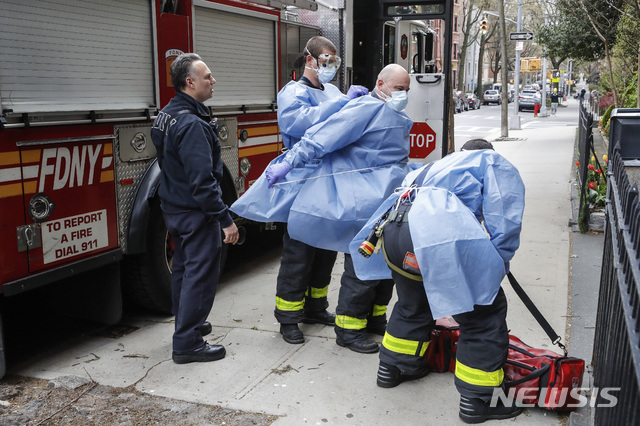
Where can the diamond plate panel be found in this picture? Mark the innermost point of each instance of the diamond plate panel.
(132, 169)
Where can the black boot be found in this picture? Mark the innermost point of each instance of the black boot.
(390, 376)
(319, 317)
(291, 334)
(475, 410)
(362, 344)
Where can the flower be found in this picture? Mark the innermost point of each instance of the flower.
(591, 167)
(593, 158)
(577, 163)
(592, 185)
(605, 157)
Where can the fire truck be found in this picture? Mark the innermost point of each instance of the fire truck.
(80, 84)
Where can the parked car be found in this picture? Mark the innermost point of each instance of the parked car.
(464, 99)
(528, 99)
(474, 101)
(457, 103)
(491, 97)
(531, 87)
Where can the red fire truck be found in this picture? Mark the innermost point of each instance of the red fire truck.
(80, 84)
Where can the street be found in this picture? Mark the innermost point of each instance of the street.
(317, 382)
(485, 122)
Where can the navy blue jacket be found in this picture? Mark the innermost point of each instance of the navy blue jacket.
(189, 158)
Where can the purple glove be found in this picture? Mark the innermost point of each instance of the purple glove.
(356, 91)
(275, 172)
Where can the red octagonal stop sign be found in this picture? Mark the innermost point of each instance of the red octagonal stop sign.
(423, 140)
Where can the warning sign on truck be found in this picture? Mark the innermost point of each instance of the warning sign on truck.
(74, 235)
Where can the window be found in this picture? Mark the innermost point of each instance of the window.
(455, 50)
(455, 24)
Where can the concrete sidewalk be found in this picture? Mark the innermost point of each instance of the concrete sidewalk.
(319, 382)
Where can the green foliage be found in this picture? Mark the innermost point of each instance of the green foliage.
(604, 120)
(630, 94)
(570, 37)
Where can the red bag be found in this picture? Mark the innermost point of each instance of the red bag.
(542, 377)
(441, 353)
(532, 376)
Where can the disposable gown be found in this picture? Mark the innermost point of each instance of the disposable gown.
(461, 262)
(301, 106)
(342, 169)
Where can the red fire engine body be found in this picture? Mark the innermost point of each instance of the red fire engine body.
(80, 84)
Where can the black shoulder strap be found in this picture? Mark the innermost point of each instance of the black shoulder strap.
(555, 339)
(422, 174)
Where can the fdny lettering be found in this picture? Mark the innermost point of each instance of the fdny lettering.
(68, 166)
(161, 121)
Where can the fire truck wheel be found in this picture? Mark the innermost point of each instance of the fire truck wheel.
(147, 277)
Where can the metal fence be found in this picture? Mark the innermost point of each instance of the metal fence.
(616, 350)
(586, 150)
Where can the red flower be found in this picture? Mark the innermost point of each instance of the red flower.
(591, 167)
(577, 163)
(599, 171)
(592, 185)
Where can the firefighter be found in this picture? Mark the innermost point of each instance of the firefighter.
(444, 263)
(362, 155)
(191, 200)
(305, 271)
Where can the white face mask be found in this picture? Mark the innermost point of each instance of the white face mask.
(397, 101)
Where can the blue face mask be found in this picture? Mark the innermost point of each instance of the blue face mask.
(397, 101)
(325, 75)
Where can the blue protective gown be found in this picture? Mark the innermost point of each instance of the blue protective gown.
(461, 262)
(342, 169)
(301, 106)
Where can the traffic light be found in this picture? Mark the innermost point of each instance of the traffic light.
(483, 26)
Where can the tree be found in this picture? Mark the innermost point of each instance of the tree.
(602, 17)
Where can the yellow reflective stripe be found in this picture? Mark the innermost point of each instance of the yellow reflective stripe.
(350, 323)
(379, 310)
(317, 293)
(477, 377)
(285, 305)
(403, 346)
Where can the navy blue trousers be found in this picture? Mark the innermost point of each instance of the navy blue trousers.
(194, 276)
(305, 273)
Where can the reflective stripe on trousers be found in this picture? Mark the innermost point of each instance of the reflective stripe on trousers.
(476, 377)
(404, 346)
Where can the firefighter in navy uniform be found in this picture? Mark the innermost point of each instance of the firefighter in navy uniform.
(444, 263)
(192, 206)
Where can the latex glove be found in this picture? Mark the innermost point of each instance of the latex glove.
(275, 172)
(507, 268)
(356, 91)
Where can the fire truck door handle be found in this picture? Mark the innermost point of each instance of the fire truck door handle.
(28, 237)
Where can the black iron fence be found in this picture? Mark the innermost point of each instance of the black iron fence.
(586, 151)
(616, 350)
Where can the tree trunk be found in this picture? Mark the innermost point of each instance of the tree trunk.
(611, 80)
(479, 90)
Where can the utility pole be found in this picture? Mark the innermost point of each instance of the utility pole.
(505, 73)
(543, 107)
(515, 119)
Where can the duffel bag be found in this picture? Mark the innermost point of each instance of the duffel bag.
(542, 377)
(532, 376)
(441, 352)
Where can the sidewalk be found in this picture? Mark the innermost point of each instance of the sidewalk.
(320, 383)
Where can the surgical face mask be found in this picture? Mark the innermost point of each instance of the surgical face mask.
(397, 101)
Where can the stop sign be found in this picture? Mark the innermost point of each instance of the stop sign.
(423, 140)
